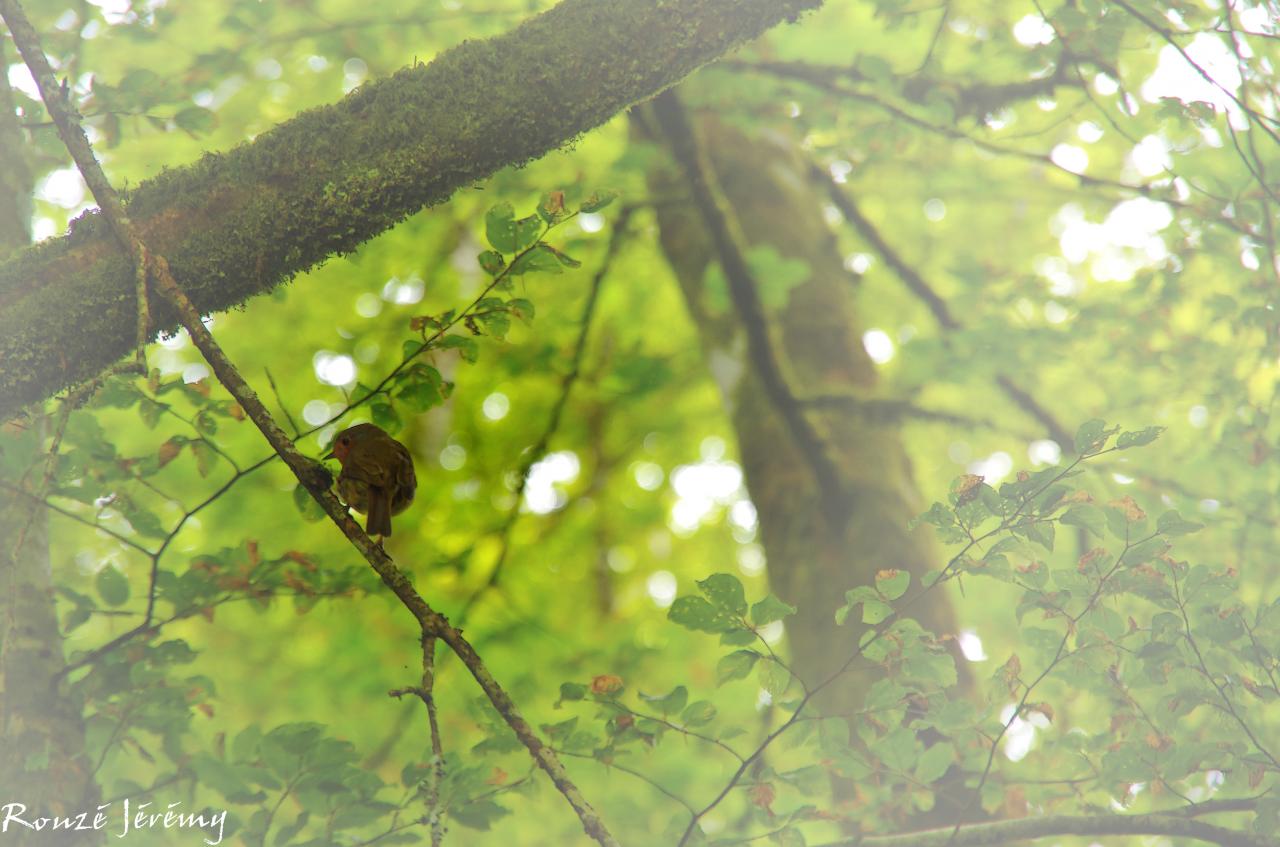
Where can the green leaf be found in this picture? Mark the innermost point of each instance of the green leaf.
(141, 79)
(1107, 621)
(833, 736)
(205, 456)
(307, 506)
(874, 610)
(1009, 544)
(1144, 552)
(75, 618)
(527, 232)
(1125, 765)
(500, 228)
(669, 703)
(1172, 523)
(113, 586)
(789, 836)
(570, 691)
(1048, 501)
(150, 411)
(1118, 523)
(477, 814)
(496, 323)
(492, 262)
(419, 396)
(852, 597)
(298, 738)
(540, 259)
(897, 749)
(286, 833)
(699, 713)
(725, 593)
(386, 416)
(245, 746)
(737, 637)
(934, 762)
(774, 678)
(521, 308)
(206, 423)
(938, 515)
(598, 201)
(736, 665)
(696, 613)
(551, 207)
(564, 258)
(1093, 436)
(1087, 516)
(770, 609)
(892, 583)
(465, 345)
(1041, 532)
(1138, 438)
(196, 120)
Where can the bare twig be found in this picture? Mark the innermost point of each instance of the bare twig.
(539, 448)
(275, 391)
(426, 693)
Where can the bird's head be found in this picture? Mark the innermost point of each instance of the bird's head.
(351, 437)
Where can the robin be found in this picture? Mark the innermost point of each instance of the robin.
(377, 477)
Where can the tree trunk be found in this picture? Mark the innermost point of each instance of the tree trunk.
(42, 763)
(812, 559)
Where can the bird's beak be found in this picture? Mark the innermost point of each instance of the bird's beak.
(328, 456)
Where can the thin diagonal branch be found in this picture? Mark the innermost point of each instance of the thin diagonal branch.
(539, 448)
(745, 294)
(927, 294)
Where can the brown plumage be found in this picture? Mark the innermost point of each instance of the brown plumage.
(377, 477)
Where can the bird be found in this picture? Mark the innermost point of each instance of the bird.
(377, 477)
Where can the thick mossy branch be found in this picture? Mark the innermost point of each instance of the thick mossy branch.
(237, 224)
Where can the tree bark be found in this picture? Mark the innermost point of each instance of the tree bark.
(41, 731)
(239, 223)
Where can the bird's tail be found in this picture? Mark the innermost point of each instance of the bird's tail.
(379, 522)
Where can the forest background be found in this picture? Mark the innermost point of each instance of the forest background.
(682, 369)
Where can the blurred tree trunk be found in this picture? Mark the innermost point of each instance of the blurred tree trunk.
(812, 559)
(42, 763)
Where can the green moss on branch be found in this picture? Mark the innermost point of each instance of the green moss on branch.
(237, 224)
